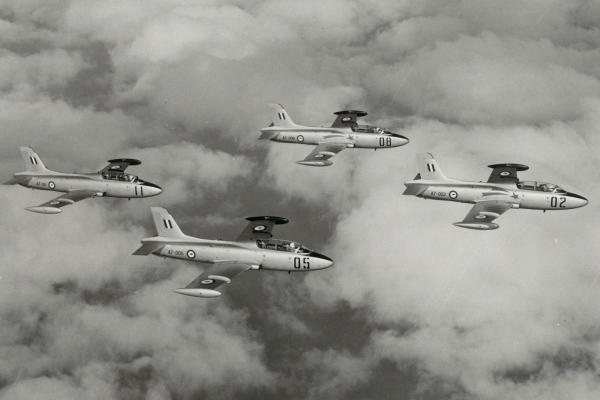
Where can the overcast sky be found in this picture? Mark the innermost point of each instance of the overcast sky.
(414, 307)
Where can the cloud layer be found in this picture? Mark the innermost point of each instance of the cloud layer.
(414, 307)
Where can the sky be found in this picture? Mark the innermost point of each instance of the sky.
(414, 307)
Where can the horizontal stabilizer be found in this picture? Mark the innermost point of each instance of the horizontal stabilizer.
(267, 135)
(148, 248)
(414, 189)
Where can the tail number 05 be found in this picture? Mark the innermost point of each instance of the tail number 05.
(385, 141)
(302, 262)
(557, 202)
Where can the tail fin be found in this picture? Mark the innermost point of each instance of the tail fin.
(429, 168)
(165, 224)
(32, 161)
(281, 117)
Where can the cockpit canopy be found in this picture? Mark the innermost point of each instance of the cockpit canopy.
(369, 129)
(282, 245)
(119, 176)
(540, 187)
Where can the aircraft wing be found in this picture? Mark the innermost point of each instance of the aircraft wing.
(205, 284)
(54, 206)
(347, 118)
(506, 173)
(120, 164)
(328, 148)
(486, 210)
(260, 228)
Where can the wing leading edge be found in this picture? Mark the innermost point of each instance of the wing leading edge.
(55, 205)
(326, 149)
(486, 210)
(218, 274)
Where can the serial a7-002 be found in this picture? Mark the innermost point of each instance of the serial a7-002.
(502, 191)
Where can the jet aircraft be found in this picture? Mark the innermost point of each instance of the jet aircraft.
(502, 191)
(253, 249)
(344, 133)
(112, 181)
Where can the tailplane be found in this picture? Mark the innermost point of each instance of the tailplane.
(281, 117)
(33, 163)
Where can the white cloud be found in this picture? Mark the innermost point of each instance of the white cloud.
(500, 314)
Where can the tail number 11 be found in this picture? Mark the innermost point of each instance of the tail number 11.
(302, 262)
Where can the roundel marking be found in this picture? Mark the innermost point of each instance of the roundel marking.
(453, 194)
(504, 173)
(300, 138)
(51, 185)
(260, 228)
(191, 254)
(346, 119)
(207, 281)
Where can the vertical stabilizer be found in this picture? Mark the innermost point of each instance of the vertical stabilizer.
(165, 224)
(281, 117)
(32, 161)
(429, 168)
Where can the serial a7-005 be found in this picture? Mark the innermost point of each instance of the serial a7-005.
(254, 249)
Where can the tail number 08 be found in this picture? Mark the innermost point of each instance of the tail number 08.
(302, 262)
(385, 141)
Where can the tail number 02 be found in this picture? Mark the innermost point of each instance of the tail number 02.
(302, 262)
(557, 202)
(385, 141)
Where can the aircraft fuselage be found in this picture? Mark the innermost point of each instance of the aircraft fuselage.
(314, 136)
(215, 251)
(469, 192)
(59, 182)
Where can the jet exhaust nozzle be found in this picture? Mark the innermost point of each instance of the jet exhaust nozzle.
(44, 210)
(197, 292)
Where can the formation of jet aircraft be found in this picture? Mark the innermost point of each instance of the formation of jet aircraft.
(112, 181)
(345, 132)
(253, 249)
(502, 191)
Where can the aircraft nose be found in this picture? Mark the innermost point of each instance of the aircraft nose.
(399, 140)
(324, 261)
(150, 189)
(579, 201)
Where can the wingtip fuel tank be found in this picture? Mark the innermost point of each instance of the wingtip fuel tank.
(44, 210)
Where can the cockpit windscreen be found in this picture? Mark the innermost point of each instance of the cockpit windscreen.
(540, 187)
(282, 245)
